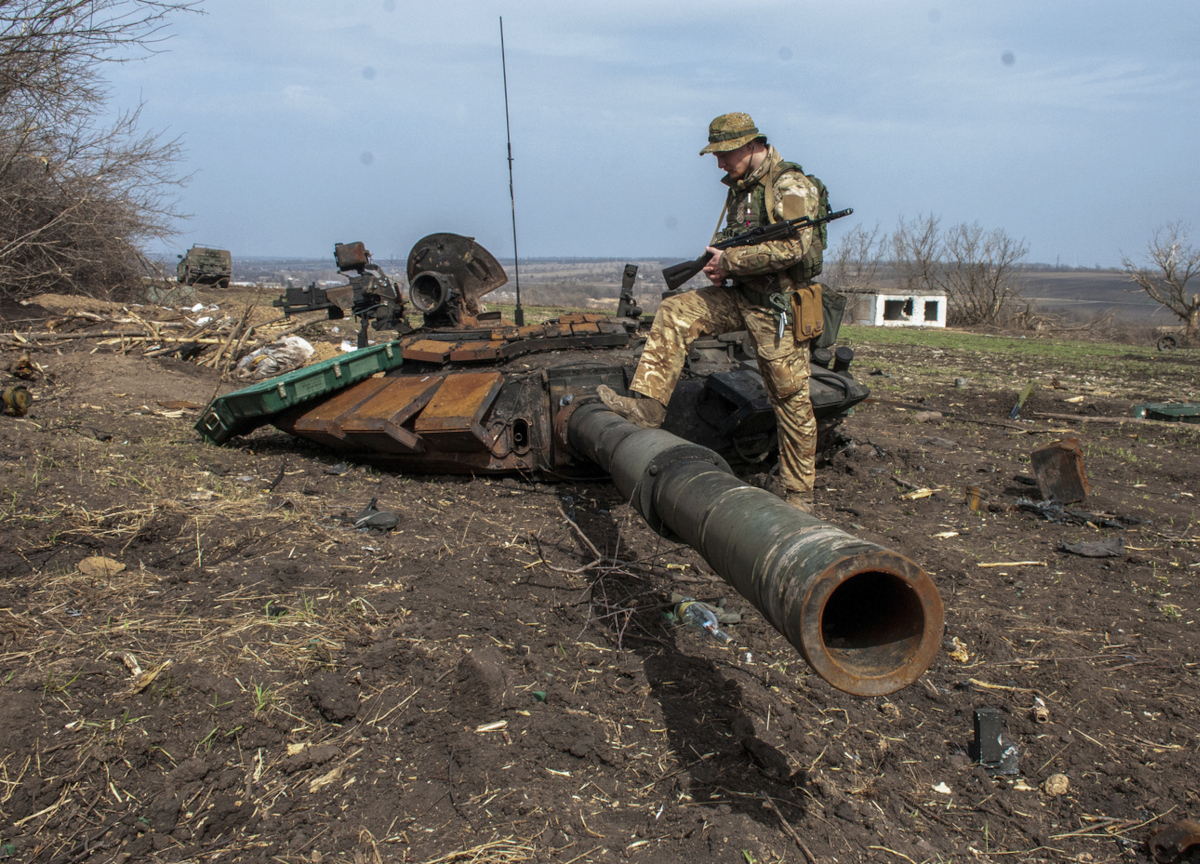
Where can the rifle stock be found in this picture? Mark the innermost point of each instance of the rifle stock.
(677, 274)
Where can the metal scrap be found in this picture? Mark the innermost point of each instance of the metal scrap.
(1052, 512)
(1172, 843)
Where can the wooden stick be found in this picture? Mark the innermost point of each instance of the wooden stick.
(773, 807)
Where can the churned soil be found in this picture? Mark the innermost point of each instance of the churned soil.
(202, 659)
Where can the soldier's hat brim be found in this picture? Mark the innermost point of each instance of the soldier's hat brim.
(733, 143)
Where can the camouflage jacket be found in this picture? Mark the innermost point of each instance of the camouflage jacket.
(763, 267)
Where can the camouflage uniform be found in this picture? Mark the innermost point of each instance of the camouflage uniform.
(762, 269)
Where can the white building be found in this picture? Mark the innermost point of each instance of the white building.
(888, 309)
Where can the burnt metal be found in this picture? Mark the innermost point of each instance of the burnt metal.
(448, 274)
(626, 307)
(368, 295)
(868, 620)
(1059, 469)
(1172, 843)
(990, 748)
(428, 416)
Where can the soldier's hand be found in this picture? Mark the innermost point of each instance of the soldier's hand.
(713, 269)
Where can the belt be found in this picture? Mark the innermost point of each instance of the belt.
(760, 298)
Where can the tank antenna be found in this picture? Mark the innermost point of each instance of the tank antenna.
(518, 313)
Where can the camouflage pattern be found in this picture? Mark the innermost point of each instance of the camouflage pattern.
(763, 267)
(782, 362)
(731, 131)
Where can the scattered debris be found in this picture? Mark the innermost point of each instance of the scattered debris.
(1039, 712)
(974, 498)
(1113, 547)
(287, 354)
(1056, 785)
(1015, 413)
(934, 441)
(1172, 843)
(1052, 512)
(990, 749)
(24, 367)
(701, 616)
(16, 400)
(372, 519)
(1059, 469)
(1170, 412)
(928, 416)
(958, 651)
(98, 566)
(215, 339)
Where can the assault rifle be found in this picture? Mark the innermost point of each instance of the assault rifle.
(677, 274)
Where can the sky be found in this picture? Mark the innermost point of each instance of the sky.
(1071, 125)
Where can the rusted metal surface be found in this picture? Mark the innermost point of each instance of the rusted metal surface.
(453, 418)
(1171, 844)
(380, 423)
(867, 619)
(472, 351)
(318, 422)
(447, 276)
(1059, 469)
(425, 350)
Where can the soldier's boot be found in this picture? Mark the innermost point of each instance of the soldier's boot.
(802, 501)
(641, 410)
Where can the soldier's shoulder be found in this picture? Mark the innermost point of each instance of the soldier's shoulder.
(794, 178)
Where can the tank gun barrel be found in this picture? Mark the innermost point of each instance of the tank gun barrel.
(866, 619)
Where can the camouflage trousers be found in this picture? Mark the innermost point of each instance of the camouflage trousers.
(782, 362)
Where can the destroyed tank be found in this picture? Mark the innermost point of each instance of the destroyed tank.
(203, 265)
(471, 392)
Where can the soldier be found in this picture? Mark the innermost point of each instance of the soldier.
(762, 189)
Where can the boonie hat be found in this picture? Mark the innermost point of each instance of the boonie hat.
(731, 131)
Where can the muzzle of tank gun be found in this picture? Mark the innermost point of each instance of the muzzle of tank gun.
(866, 619)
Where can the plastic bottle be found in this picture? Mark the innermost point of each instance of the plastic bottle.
(698, 615)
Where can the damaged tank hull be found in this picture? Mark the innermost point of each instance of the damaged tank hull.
(470, 393)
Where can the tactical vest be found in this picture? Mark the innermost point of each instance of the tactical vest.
(761, 211)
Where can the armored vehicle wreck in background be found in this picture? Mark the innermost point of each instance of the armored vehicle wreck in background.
(203, 265)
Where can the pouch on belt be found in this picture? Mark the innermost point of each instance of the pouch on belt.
(808, 315)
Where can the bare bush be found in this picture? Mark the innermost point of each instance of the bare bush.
(976, 269)
(916, 251)
(78, 195)
(1173, 263)
(979, 274)
(854, 265)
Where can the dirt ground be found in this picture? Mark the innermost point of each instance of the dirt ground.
(262, 682)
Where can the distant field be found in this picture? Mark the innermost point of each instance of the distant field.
(1080, 294)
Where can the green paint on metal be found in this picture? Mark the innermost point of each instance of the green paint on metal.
(245, 410)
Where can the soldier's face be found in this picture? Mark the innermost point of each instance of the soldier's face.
(736, 163)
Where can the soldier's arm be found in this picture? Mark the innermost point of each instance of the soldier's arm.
(795, 196)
